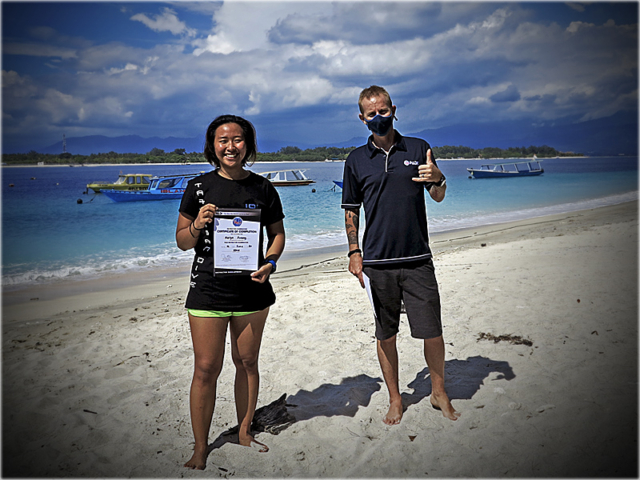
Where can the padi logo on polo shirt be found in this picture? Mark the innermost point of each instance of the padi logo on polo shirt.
(410, 162)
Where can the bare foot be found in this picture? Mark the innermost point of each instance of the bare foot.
(442, 403)
(249, 441)
(394, 415)
(199, 459)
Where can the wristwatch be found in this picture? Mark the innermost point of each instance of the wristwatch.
(442, 182)
(273, 264)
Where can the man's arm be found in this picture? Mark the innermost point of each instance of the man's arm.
(438, 193)
(352, 224)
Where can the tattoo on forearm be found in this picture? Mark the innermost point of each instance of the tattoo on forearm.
(352, 222)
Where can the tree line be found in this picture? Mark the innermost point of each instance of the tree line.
(285, 154)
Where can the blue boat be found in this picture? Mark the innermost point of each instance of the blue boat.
(507, 170)
(338, 183)
(166, 187)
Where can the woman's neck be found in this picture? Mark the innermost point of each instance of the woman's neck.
(235, 174)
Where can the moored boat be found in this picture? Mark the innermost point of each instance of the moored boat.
(507, 170)
(284, 178)
(338, 183)
(166, 187)
(125, 181)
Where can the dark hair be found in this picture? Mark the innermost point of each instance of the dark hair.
(249, 139)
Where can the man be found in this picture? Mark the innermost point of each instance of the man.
(388, 176)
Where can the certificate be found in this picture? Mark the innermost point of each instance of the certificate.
(236, 240)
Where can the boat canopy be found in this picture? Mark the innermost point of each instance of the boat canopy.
(281, 175)
(132, 179)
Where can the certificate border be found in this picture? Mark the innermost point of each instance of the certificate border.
(249, 214)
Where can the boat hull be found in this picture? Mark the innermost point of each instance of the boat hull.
(141, 196)
(100, 187)
(490, 174)
(291, 183)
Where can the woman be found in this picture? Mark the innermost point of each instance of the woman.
(215, 301)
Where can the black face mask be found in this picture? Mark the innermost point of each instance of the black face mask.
(380, 125)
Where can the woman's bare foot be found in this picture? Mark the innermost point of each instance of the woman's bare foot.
(249, 441)
(394, 415)
(442, 403)
(199, 459)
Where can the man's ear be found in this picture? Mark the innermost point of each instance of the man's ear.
(361, 117)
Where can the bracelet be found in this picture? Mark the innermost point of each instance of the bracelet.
(194, 226)
(190, 232)
(357, 250)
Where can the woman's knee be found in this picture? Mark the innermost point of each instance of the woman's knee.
(207, 369)
(248, 363)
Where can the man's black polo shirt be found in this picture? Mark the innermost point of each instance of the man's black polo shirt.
(394, 205)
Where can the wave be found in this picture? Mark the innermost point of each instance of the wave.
(16, 275)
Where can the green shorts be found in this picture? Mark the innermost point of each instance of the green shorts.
(217, 314)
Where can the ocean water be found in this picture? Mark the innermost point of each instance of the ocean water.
(47, 235)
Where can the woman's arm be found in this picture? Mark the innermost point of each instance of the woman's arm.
(189, 229)
(275, 247)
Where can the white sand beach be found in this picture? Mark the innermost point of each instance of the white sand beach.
(96, 375)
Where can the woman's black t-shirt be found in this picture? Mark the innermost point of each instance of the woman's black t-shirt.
(232, 293)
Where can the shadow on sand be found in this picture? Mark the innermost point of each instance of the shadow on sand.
(464, 379)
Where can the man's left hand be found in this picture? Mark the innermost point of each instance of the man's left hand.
(428, 172)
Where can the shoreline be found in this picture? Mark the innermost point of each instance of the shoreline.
(295, 161)
(38, 302)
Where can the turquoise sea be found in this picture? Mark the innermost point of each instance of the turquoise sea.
(47, 235)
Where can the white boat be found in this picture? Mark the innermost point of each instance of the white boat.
(286, 178)
(507, 170)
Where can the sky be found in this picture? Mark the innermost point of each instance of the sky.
(295, 68)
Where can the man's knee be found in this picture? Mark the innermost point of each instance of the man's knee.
(388, 342)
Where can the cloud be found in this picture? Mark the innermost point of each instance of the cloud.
(509, 94)
(165, 22)
(291, 66)
(38, 50)
(256, 20)
(578, 7)
(360, 24)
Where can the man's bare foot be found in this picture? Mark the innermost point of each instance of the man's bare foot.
(249, 441)
(199, 459)
(442, 403)
(394, 415)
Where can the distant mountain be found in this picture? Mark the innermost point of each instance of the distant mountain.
(605, 136)
(136, 144)
(125, 144)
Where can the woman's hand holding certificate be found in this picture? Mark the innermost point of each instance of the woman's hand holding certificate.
(205, 216)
